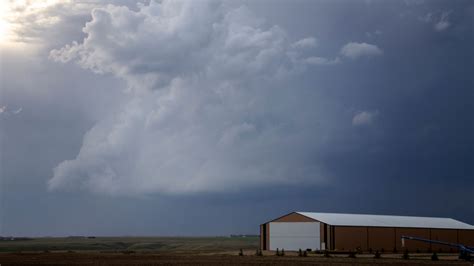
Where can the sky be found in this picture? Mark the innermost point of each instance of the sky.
(206, 118)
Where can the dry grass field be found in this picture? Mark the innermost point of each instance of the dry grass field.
(180, 251)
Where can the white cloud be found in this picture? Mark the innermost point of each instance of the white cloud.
(174, 39)
(355, 50)
(198, 119)
(49, 23)
(309, 42)
(3, 109)
(364, 118)
(300, 54)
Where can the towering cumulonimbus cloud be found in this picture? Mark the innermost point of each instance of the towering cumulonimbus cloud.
(200, 74)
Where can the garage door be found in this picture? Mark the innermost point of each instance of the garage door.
(294, 236)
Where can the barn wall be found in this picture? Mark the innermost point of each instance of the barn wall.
(350, 238)
(388, 238)
(446, 235)
(412, 245)
(381, 238)
(267, 235)
(322, 235)
(466, 237)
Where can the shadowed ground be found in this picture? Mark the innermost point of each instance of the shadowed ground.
(180, 251)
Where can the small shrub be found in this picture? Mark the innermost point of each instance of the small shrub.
(241, 252)
(405, 255)
(282, 252)
(305, 254)
(434, 256)
(377, 255)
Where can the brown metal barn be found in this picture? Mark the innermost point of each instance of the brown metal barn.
(337, 231)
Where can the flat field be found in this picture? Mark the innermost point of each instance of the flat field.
(180, 251)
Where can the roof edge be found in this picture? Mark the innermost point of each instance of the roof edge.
(300, 213)
(406, 216)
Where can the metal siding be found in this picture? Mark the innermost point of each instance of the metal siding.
(445, 235)
(350, 238)
(381, 238)
(295, 235)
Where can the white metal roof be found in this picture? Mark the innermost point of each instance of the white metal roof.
(343, 219)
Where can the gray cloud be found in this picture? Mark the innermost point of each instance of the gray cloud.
(4, 110)
(364, 118)
(289, 140)
(314, 60)
(355, 50)
(309, 42)
(440, 22)
(443, 22)
(199, 75)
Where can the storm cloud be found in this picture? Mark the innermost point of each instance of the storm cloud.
(198, 119)
(211, 117)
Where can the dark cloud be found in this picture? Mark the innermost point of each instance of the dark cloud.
(237, 116)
